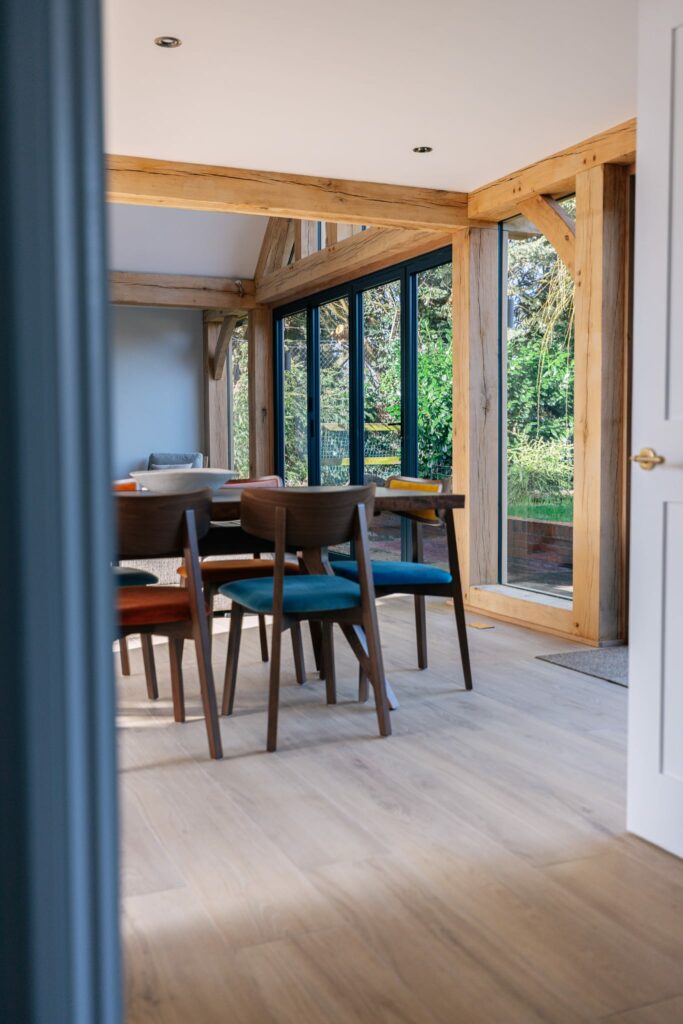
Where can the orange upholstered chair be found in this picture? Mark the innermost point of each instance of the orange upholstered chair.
(168, 526)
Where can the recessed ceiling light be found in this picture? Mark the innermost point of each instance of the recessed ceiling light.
(422, 149)
(168, 42)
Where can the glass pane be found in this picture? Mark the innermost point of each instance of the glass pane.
(240, 400)
(539, 436)
(334, 392)
(295, 387)
(435, 391)
(382, 399)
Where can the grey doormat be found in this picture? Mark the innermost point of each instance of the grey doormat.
(610, 663)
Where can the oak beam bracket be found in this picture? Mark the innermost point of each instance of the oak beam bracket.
(555, 223)
(276, 248)
(556, 175)
(218, 360)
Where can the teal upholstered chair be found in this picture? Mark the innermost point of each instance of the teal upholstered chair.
(130, 576)
(417, 578)
(309, 519)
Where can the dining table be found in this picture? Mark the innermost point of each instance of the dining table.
(225, 506)
(225, 509)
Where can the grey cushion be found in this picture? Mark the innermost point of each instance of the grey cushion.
(175, 460)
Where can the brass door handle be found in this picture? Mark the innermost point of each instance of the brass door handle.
(647, 458)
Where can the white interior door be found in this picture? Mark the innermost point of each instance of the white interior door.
(655, 776)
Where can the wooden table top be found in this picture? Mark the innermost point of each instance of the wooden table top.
(226, 502)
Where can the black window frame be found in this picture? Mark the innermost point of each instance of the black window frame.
(406, 273)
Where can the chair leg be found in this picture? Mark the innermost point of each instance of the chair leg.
(263, 637)
(421, 631)
(150, 667)
(459, 609)
(458, 603)
(274, 690)
(298, 651)
(123, 654)
(208, 691)
(236, 617)
(328, 661)
(175, 654)
(363, 688)
(317, 644)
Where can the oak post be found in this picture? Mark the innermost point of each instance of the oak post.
(261, 398)
(475, 402)
(602, 202)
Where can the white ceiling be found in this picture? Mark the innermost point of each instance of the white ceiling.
(155, 239)
(347, 90)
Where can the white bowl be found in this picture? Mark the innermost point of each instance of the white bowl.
(180, 481)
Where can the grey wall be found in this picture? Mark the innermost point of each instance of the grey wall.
(156, 384)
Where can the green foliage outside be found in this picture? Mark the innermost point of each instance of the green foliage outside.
(240, 400)
(540, 380)
(382, 383)
(435, 373)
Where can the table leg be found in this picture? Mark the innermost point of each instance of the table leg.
(356, 639)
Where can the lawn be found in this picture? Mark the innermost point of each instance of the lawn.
(561, 511)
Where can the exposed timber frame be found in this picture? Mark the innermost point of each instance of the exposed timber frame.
(556, 175)
(180, 290)
(360, 254)
(556, 224)
(408, 223)
(147, 182)
(599, 253)
(276, 248)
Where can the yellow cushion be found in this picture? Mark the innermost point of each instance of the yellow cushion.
(429, 515)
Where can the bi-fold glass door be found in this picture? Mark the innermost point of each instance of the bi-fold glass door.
(348, 365)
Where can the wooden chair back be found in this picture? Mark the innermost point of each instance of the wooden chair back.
(315, 517)
(153, 525)
(429, 517)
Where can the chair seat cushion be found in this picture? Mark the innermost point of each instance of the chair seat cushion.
(396, 574)
(231, 569)
(148, 606)
(128, 576)
(301, 595)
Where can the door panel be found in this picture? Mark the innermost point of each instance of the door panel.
(382, 435)
(295, 399)
(334, 392)
(655, 776)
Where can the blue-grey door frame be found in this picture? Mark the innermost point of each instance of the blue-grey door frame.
(59, 945)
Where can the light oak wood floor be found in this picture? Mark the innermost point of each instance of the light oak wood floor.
(471, 869)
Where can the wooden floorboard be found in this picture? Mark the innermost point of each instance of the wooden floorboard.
(471, 869)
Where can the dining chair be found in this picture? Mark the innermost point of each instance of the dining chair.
(130, 576)
(309, 519)
(168, 526)
(217, 572)
(418, 578)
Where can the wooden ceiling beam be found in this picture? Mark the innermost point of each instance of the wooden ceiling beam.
(553, 176)
(146, 182)
(361, 254)
(556, 224)
(182, 291)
